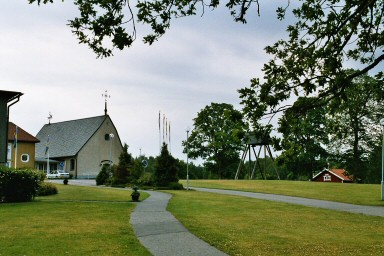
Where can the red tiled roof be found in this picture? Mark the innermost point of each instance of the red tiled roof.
(22, 135)
(341, 173)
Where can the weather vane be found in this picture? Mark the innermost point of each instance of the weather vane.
(106, 96)
(49, 118)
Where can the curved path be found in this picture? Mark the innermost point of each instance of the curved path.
(161, 233)
(362, 209)
(157, 229)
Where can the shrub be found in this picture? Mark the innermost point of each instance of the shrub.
(47, 189)
(146, 179)
(103, 177)
(135, 194)
(175, 186)
(19, 185)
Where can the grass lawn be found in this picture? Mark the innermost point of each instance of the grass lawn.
(362, 194)
(77, 221)
(245, 226)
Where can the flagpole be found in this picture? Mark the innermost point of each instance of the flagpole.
(16, 156)
(48, 169)
(169, 134)
(47, 153)
(159, 133)
(15, 145)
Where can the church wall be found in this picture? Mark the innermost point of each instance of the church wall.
(97, 149)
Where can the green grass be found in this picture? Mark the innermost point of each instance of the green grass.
(77, 193)
(245, 226)
(361, 194)
(77, 221)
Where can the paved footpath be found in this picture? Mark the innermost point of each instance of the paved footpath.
(158, 230)
(162, 234)
(362, 209)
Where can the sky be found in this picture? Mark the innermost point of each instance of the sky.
(200, 60)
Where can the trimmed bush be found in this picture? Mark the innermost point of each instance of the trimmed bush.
(47, 189)
(19, 185)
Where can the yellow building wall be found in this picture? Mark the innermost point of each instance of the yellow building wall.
(23, 148)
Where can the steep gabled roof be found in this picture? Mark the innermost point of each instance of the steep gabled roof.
(67, 138)
(22, 135)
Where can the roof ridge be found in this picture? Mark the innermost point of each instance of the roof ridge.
(77, 119)
(68, 137)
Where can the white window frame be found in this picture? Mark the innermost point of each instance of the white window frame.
(21, 158)
(327, 177)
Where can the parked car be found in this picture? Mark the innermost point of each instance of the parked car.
(62, 174)
(59, 174)
(52, 175)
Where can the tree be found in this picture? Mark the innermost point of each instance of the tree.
(128, 171)
(108, 24)
(216, 137)
(327, 32)
(304, 140)
(166, 168)
(326, 35)
(354, 124)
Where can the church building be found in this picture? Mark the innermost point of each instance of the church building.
(79, 147)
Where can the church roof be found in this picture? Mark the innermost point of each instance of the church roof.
(67, 138)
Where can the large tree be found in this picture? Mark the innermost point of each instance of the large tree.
(216, 138)
(326, 36)
(354, 127)
(304, 140)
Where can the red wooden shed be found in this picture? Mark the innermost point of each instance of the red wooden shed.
(333, 175)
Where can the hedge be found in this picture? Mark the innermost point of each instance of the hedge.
(18, 185)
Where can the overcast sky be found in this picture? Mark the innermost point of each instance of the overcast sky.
(200, 60)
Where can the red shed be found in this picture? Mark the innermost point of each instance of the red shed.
(333, 175)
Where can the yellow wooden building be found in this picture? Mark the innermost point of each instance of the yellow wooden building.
(21, 148)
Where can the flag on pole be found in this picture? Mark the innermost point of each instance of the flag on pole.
(46, 146)
(166, 129)
(169, 134)
(163, 126)
(159, 132)
(15, 138)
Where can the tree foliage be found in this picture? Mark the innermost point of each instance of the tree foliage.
(216, 137)
(345, 133)
(304, 140)
(105, 25)
(326, 34)
(354, 127)
(166, 168)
